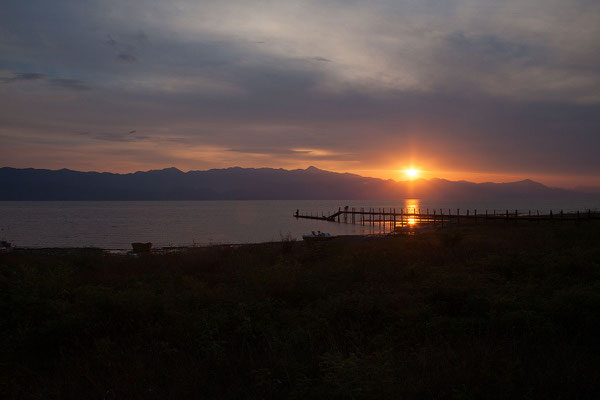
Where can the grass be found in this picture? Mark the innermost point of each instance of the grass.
(498, 311)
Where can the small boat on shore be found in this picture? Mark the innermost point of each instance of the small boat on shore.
(141, 247)
(317, 237)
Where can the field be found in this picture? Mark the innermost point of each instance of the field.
(493, 311)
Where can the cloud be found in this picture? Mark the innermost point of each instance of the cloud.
(71, 84)
(299, 154)
(115, 136)
(111, 42)
(497, 85)
(268, 151)
(140, 38)
(129, 58)
(23, 77)
(489, 52)
(125, 47)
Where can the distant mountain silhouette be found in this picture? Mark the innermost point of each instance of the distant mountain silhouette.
(249, 184)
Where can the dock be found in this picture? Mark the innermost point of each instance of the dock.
(399, 218)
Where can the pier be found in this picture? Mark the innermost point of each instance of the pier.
(393, 217)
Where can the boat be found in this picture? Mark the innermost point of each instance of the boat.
(411, 229)
(317, 237)
(6, 247)
(141, 247)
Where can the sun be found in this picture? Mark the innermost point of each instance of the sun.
(412, 173)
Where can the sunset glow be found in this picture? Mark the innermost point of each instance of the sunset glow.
(283, 198)
(390, 90)
(412, 173)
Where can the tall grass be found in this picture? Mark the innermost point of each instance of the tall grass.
(499, 311)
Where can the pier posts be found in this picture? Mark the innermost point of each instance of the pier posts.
(393, 218)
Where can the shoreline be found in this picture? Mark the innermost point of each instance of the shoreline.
(174, 249)
(425, 228)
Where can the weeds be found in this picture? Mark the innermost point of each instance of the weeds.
(487, 312)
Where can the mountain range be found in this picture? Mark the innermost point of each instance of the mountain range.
(252, 184)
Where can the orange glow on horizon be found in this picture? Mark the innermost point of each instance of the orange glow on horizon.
(400, 174)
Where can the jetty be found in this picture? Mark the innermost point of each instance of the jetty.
(393, 217)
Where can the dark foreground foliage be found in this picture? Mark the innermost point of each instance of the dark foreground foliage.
(507, 311)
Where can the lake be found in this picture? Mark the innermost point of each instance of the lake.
(115, 224)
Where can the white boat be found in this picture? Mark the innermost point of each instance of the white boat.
(319, 236)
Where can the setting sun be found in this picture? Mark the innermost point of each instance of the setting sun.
(412, 173)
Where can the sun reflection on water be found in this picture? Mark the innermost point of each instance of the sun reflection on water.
(409, 210)
(412, 206)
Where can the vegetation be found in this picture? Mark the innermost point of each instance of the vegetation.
(496, 311)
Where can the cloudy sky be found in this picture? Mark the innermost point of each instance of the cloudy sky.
(486, 90)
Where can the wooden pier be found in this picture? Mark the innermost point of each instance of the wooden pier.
(399, 218)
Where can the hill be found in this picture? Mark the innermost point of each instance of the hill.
(250, 184)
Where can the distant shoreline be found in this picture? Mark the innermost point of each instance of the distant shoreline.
(171, 184)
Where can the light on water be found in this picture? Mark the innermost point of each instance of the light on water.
(116, 224)
(412, 206)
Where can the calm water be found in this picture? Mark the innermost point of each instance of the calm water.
(115, 224)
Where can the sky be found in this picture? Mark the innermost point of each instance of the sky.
(485, 90)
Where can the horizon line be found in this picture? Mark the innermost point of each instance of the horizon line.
(311, 167)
